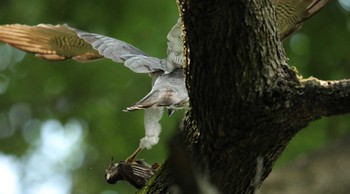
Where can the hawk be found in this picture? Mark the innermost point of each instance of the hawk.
(61, 42)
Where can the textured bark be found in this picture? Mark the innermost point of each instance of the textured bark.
(246, 103)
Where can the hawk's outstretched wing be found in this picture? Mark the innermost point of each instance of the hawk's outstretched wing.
(61, 42)
(51, 42)
(122, 52)
(175, 53)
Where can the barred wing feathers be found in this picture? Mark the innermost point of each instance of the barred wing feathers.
(51, 42)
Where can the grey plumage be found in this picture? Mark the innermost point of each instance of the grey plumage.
(168, 87)
(168, 91)
(168, 82)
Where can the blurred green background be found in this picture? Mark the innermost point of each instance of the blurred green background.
(61, 122)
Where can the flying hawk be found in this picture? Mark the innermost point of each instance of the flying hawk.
(61, 42)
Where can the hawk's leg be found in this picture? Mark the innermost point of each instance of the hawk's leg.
(132, 157)
(152, 130)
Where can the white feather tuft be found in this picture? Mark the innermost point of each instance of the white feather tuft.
(152, 127)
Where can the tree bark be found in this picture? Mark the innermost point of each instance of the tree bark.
(246, 103)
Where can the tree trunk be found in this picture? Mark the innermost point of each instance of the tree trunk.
(246, 103)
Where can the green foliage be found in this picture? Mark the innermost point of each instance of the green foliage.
(33, 91)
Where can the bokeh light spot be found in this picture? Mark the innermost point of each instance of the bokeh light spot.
(4, 83)
(300, 44)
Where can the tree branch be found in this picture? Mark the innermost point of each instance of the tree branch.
(246, 104)
(327, 98)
